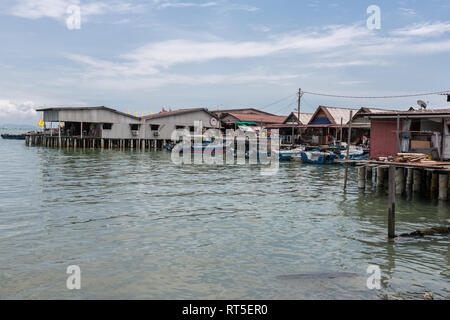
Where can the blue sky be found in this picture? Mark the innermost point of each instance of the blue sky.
(142, 55)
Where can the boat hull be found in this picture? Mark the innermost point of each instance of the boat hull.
(13, 137)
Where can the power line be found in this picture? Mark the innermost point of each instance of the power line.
(289, 106)
(278, 101)
(375, 97)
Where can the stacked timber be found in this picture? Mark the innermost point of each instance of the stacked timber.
(411, 157)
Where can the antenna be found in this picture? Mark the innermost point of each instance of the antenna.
(422, 104)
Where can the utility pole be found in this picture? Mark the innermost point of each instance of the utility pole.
(298, 112)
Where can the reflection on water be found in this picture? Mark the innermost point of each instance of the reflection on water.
(141, 227)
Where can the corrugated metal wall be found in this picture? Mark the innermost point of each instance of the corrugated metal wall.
(383, 140)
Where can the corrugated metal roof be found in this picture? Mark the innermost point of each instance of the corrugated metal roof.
(87, 108)
(176, 112)
(257, 117)
(421, 112)
(304, 117)
(242, 110)
(338, 113)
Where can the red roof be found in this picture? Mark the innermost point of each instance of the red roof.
(257, 117)
(165, 113)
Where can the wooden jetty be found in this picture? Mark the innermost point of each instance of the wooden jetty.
(428, 179)
(83, 142)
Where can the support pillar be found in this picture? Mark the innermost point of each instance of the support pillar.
(361, 178)
(399, 180)
(434, 188)
(443, 186)
(417, 179)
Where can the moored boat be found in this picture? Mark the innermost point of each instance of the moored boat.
(328, 157)
(290, 154)
(13, 136)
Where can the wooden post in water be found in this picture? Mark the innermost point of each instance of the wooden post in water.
(380, 178)
(399, 180)
(448, 187)
(369, 172)
(348, 149)
(59, 135)
(417, 179)
(443, 186)
(361, 177)
(434, 188)
(391, 210)
(409, 179)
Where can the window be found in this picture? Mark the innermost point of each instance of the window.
(179, 127)
(107, 126)
(191, 128)
(134, 126)
(154, 127)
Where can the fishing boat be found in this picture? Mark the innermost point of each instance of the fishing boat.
(290, 154)
(329, 157)
(13, 136)
(319, 157)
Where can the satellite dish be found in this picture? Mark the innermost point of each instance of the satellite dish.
(422, 104)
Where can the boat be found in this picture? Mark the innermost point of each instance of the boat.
(13, 136)
(290, 154)
(318, 156)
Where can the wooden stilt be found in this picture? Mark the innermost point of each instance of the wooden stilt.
(417, 179)
(409, 179)
(391, 210)
(443, 186)
(380, 178)
(361, 178)
(369, 173)
(434, 188)
(399, 175)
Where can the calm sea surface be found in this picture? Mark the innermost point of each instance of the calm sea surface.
(141, 227)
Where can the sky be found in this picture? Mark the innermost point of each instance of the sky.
(143, 55)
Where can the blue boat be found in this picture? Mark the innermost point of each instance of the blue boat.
(13, 136)
(326, 157)
(289, 154)
(319, 157)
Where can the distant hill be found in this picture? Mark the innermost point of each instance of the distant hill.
(18, 126)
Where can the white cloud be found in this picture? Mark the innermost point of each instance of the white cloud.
(332, 46)
(57, 9)
(10, 109)
(424, 30)
(344, 64)
(407, 12)
(187, 4)
(165, 54)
